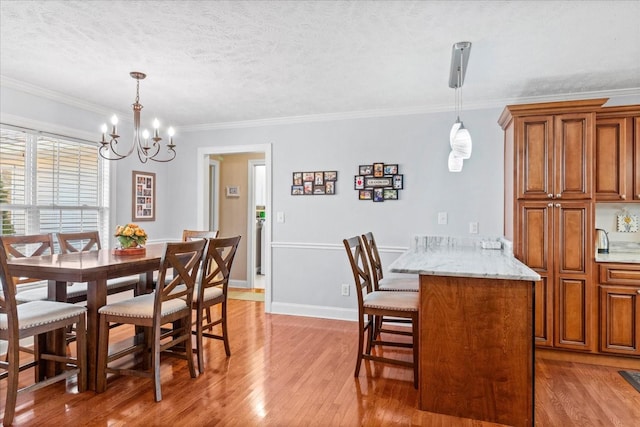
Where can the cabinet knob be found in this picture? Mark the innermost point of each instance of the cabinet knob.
(558, 205)
(558, 196)
(550, 205)
(550, 196)
(624, 196)
(639, 291)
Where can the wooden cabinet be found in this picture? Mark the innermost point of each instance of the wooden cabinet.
(554, 159)
(619, 294)
(554, 241)
(617, 156)
(549, 208)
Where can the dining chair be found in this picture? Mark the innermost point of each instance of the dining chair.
(90, 241)
(168, 305)
(33, 319)
(36, 245)
(211, 290)
(372, 304)
(379, 282)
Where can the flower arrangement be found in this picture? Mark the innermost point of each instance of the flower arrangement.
(130, 236)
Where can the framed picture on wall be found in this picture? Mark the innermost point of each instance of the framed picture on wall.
(378, 170)
(233, 191)
(143, 196)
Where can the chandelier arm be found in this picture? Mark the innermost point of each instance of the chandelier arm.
(111, 146)
(142, 158)
(171, 150)
(143, 151)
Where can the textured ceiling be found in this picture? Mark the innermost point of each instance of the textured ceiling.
(214, 62)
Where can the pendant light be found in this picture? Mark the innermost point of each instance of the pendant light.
(459, 137)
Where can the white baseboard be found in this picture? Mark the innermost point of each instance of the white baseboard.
(239, 284)
(322, 312)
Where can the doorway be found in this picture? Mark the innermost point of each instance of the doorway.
(256, 219)
(205, 205)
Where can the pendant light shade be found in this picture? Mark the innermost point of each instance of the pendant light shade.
(461, 143)
(454, 130)
(455, 162)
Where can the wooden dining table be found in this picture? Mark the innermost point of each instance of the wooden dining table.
(95, 268)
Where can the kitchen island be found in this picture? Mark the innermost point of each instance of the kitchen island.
(476, 328)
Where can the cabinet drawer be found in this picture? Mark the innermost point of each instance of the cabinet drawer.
(620, 274)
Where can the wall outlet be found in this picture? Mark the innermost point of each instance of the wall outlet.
(280, 217)
(345, 290)
(473, 228)
(442, 217)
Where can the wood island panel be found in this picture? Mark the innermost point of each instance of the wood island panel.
(477, 348)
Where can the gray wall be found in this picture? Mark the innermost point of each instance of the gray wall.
(308, 260)
(308, 263)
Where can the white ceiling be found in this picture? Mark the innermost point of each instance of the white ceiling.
(211, 62)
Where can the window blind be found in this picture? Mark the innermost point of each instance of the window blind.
(51, 185)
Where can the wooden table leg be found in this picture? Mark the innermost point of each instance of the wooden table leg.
(96, 298)
(54, 342)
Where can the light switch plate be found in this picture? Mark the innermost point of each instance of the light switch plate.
(473, 228)
(442, 217)
(280, 217)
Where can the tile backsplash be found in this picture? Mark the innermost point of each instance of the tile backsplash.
(607, 217)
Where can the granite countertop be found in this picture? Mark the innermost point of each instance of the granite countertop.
(462, 257)
(621, 252)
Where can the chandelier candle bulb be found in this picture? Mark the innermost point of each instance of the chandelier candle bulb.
(171, 132)
(114, 122)
(156, 125)
(145, 137)
(103, 128)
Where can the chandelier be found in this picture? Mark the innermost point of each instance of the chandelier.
(146, 147)
(459, 137)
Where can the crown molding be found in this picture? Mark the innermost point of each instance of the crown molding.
(348, 115)
(498, 103)
(52, 95)
(47, 127)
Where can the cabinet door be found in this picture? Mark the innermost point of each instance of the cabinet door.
(534, 145)
(636, 158)
(611, 159)
(573, 156)
(619, 310)
(534, 250)
(572, 250)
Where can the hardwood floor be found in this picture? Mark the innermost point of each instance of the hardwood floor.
(298, 371)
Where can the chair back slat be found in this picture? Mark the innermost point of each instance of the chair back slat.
(217, 263)
(79, 242)
(27, 246)
(359, 266)
(184, 258)
(370, 246)
(188, 235)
